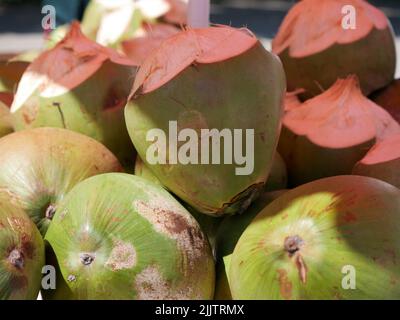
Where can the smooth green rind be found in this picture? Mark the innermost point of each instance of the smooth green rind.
(228, 235)
(94, 108)
(388, 171)
(307, 161)
(19, 234)
(144, 243)
(5, 120)
(208, 224)
(212, 96)
(141, 170)
(39, 166)
(345, 222)
(321, 70)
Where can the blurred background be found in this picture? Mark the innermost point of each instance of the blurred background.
(21, 30)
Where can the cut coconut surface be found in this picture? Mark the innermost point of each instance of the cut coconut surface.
(81, 59)
(148, 39)
(191, 47)
(320, 41)
(328, 134)
(177, 13)
(292, 100)
(81, 86)
(192, 80)
(389, 99)
(382, 161)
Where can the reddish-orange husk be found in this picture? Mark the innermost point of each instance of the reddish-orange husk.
(81, 86)
(382, 161)
(178, 13)
(328, 134)
(318, 44)
(292, 100)
(151, 37)
(389, 99)
(7, 98)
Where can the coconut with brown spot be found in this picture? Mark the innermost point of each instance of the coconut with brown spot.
(81, 86)
(39, 166)
(193, 79)
(127, 238)
(21, 254)
(332, 238)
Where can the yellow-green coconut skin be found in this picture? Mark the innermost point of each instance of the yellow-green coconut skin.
(118, 236)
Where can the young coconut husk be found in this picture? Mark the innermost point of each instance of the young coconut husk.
(147, 39)
(228, 235)
(382, 161)
(277, 179)
(335, 238)
(81, 86)
(177, 13)
(118, 236)
(11, 72)
(5, 116)
(39, 166)
(21, 255)
(208, 224)
(327, 135)
(202, 90)
(316, 49)
(389, 99)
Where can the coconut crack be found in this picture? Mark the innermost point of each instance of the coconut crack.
(87, 258)
(16, 258)
(292, 246)
(50, 212)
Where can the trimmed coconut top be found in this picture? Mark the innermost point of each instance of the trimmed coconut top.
(148, 38)
(312, 26)
(178, 12)
(192, 46)
(292, 101)
(6, 98)
(385, 150)
(62, 68)
(341, 117)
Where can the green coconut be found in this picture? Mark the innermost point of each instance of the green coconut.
(21, 255)
(328, 134)
(277, 179)
(335, 238)
(39, 166)
(5, 119)
(321, 41)
(209, 225)
(81, 86)
(118, 236)
(141, 170)
(382, 161)
(201, 91)
(228, 235)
